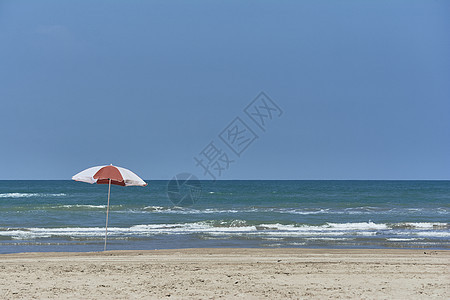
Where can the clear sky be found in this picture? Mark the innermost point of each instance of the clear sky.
(364, 87)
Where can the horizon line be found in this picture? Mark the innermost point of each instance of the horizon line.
(250, 179)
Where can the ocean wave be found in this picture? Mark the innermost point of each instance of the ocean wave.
(290, 234)
(304, 211)
(233, 227)
(256, 210)
(155, 208)
(297, 244)
(363, 210)
(402, 239)
(29, 195)
(82, 206)
(242, 228)
(188, 211)
(358, 226)
(441, 234)
(421, 225)
(330, 239)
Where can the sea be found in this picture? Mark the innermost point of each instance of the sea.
(44, 216)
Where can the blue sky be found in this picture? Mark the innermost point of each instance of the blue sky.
(363, 86)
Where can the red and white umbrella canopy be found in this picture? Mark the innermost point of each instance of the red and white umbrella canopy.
(102, 175)
(109, 175)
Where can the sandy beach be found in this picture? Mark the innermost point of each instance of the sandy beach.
(227, 273)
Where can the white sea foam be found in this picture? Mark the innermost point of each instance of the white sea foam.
(28, 195)
(424, 233)
(155, 208)
(402, 239)
(18, 195)
(358, 226)
(294, 233)
(239, 228)
(190, 228)
(434, 234)
(272, 239)
(187, 211)
(296, 244)
(330, 239)
(425, 225)
(81, 206)
(273, 245)
(327, 227)
(304, 212)
(365, 210)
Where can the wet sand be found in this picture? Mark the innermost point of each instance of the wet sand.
(227, 273)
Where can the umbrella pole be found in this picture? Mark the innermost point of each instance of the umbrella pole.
(107, 212)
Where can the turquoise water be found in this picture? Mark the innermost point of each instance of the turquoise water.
(70, 216)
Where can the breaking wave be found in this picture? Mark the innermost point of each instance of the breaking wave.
(29, 195)
(244, 228)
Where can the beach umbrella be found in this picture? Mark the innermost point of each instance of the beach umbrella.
(109, 175)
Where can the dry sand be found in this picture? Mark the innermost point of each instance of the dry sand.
(227, 273)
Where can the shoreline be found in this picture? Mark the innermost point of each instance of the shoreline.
(306, 249)
(233, 250)
(250, 273)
